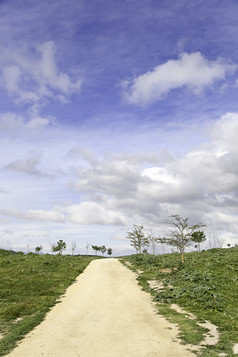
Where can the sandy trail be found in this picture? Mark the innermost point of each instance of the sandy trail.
(105, 313)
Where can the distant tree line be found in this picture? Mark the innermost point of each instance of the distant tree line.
(102, 249)
(60, 246)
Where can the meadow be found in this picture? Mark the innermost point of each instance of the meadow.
(206, 286)
(30, 284)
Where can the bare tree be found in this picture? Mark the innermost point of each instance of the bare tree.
(220, 242)
(153, 241)
(73, 247)
(87, 247)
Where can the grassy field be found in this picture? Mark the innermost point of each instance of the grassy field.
(207, 286)
(29, 286)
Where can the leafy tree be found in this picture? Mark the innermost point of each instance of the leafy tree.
(109, 251)
(59, 247)
(96, 248)
(103, 249)
(198, 237)
(180, 236)
(38, 249)
(137, 238)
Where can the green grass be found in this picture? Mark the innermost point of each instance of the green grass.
(207, 286)
(29, 286)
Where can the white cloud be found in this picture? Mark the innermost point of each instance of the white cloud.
(33, 77)
(224, 132)
(146, 189)
(92, 213)
(49, 75)
(38, 215)
(11, 77)
(160, 175)
(120, 189)
(189, 70)
(12, 124)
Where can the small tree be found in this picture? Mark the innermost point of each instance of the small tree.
(180, 237)
(152, 241)
(137, 238)
(198, 237)
(73, 247)
(87, 247)
(96, 248)
(59, 247)
(38, 249)
(103, 249)
(109, 251)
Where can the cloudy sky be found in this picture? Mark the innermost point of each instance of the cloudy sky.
(116, 113)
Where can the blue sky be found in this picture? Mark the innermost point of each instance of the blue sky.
(114, 114)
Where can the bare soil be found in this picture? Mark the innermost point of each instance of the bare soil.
(104, 313)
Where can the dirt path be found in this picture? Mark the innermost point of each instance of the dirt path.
(104, 313)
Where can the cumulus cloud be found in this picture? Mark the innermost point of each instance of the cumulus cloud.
(87, 213)
(147, 189)
(189, 70)
(38, 215)
(113, 177)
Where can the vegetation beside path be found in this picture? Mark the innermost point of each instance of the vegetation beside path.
(206, 286)
(29, 286)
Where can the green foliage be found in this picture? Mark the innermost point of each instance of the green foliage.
(30, 286)
(205, 285)
(59, 247)
(103, 249)
(96, 248)
(198, 237)
(137, 238)
(38, 249)
(180, 236)
(109, 251)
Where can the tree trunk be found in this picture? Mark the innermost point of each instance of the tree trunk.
(183, 257)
